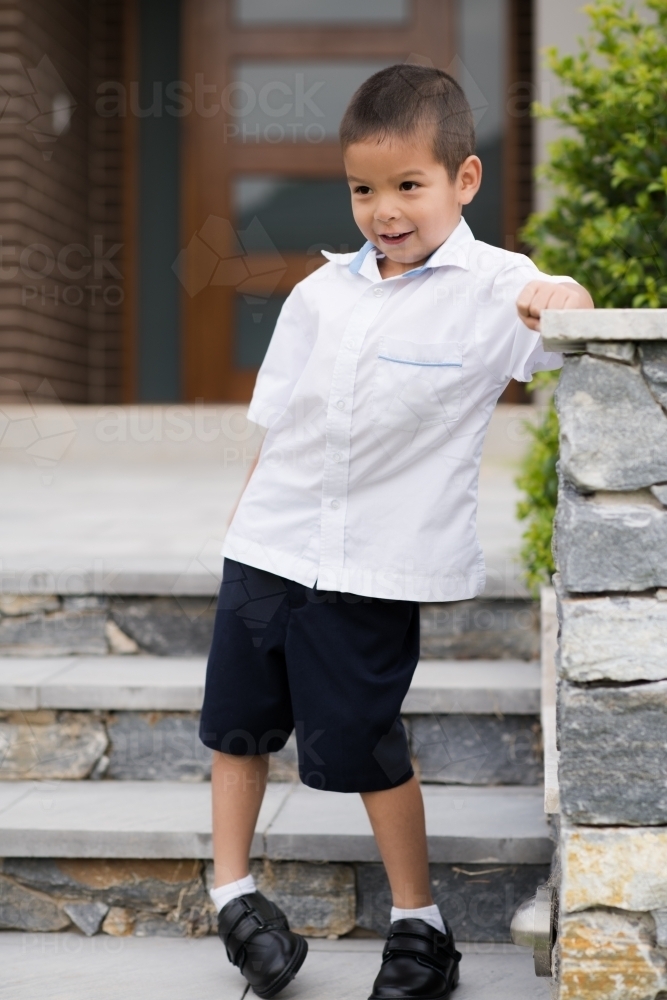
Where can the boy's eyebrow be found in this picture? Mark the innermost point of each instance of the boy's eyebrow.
(404, 173)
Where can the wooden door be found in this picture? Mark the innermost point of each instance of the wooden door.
(262, 169)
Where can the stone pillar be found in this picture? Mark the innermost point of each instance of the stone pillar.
(611, 552)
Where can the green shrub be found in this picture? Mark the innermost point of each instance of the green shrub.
(539, 482)
(607, 223)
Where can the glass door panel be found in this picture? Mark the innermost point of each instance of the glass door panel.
(293, 101)
(255, 321)
(253, 13)
(295, 219)
(299, 215)
(268, 169)
(483, 31)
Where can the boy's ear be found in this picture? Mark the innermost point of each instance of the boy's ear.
(469, 179)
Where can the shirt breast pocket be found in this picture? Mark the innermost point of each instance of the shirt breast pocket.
(416, 385)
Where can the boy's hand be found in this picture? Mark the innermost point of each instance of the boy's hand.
(539, 295)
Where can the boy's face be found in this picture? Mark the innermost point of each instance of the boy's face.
(403, 199)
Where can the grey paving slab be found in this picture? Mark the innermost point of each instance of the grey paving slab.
(475, 687)
(21, 680)
(128, 819)
(70, 967)
(503, 824)
(150, 683)
(128, 683)
(563, 326)
(129, 510)
(464, 824)
(193, 573)
(315, 825)
(11, 792)
(134, 819)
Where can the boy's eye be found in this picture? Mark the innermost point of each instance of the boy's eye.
(408, 185)
(361, 189)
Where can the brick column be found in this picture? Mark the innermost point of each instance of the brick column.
(611, 553)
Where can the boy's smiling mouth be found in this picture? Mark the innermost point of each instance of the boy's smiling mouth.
(393, 239)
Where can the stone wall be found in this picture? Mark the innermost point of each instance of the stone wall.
(170, 898)
(48, 745)
(611, 552)
(61, 625)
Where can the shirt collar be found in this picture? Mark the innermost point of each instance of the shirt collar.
(454, 252)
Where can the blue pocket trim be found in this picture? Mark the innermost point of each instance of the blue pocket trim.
(423, 364)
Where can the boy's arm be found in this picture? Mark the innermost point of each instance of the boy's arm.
(539, 295)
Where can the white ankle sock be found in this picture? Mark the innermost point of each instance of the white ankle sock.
(429, 914)
(223, 894)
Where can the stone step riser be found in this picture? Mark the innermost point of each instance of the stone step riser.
(118, 897)
(55, 625)
(143, 850)
(449, 748)
(468, 721)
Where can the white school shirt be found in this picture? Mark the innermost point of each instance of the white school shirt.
(376, 395)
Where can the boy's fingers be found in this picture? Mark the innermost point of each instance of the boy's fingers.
(532, 301)
(531, 323)
(539, 301)
(526, 297)
(562, 298)
(539, 295)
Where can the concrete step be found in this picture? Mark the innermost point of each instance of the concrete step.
(87, 530)
(136, 718)
(169, 684)
(172, 820)
(53, 967)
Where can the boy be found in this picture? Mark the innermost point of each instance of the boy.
(376, 392)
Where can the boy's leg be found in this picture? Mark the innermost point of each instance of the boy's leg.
(254, 930)
(246, 715)
(420, 958)
(237, 786)
(397, 818)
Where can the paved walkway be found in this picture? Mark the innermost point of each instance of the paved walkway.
(140, 496)
(70, 967)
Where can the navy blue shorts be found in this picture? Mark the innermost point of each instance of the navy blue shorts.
(334, 667)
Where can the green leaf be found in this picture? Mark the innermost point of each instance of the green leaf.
(607, 222)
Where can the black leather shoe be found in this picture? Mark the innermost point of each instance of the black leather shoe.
(418, 963)
(258, 940)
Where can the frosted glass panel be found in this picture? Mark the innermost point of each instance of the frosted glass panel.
(483, 73)
(254, 12)
(255, 321)
(294, 101)
(298, 215)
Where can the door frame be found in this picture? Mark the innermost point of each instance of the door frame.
(211, 44)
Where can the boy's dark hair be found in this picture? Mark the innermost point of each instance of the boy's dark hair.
(403, 99)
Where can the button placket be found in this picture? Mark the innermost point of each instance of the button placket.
(338, 434)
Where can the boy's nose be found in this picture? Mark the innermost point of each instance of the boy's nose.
(386, 212)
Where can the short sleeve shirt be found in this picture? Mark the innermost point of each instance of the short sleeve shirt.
(376, 395)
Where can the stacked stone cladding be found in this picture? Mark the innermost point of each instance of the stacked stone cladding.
(610, 545)
(166, 896)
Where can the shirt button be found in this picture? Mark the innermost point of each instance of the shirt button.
(341, 404)
(377, 292)
(335, 504)
(337, 456)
